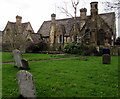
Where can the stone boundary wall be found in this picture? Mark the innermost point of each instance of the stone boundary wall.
(115, 50)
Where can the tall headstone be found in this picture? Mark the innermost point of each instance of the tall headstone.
(26, 85)
(17, 58)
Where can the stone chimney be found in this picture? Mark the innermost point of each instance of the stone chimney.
(94, 8)
(52, 30)
(83, 13)
(18, 19)
(83, 17)
(53, 18)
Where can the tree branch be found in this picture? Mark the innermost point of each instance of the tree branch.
(109, 6)
(65, 11)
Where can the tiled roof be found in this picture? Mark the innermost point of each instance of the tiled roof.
(13, 26)
(36, 37)
(68, 23)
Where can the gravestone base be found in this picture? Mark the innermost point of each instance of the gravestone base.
(106, 59)
(22, 68)
(21, 97)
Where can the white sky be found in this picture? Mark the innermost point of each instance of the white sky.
(38, 11)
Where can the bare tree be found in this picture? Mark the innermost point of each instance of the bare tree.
(74, 5)
(15, 39)
(64, 10)
(110, 6)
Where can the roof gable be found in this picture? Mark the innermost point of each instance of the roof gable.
(14, 27)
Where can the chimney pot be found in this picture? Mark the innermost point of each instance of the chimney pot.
(94, 8)
(53, 17)
(83, 13)
(18, 19)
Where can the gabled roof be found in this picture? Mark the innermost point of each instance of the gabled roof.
(36, 37)
(89, 24)
(68, 23)
(13, 26)
(109, 18)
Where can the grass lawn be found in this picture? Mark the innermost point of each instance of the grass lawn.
(0, 76)
(66, 78)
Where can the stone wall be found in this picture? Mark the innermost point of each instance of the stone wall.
(114, 50)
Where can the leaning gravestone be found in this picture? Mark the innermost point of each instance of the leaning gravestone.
(26, 85)
(19, 62)
(17, 58)
(25, 64)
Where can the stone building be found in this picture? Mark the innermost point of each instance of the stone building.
(93, 29)
(18, 35)
(0, 40)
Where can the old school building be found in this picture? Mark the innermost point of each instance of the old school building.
(93, 29)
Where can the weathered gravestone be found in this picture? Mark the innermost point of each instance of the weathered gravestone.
(19, 62)
(106, 59)
(26, 85)
(17, 58)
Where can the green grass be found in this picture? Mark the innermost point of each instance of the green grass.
(0, 75)
(67, 78)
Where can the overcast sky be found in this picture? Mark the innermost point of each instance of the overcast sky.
(38, 11)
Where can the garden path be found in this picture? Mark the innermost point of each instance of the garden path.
(43, 60)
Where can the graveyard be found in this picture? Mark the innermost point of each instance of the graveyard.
(73, 56)
(68, 76)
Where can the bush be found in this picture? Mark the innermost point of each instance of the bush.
(33, 48)
(81, 49)
(89, 50)
(72, 48)
(41, 46)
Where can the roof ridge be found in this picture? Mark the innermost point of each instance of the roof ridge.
(21, 23)
(79, 16)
